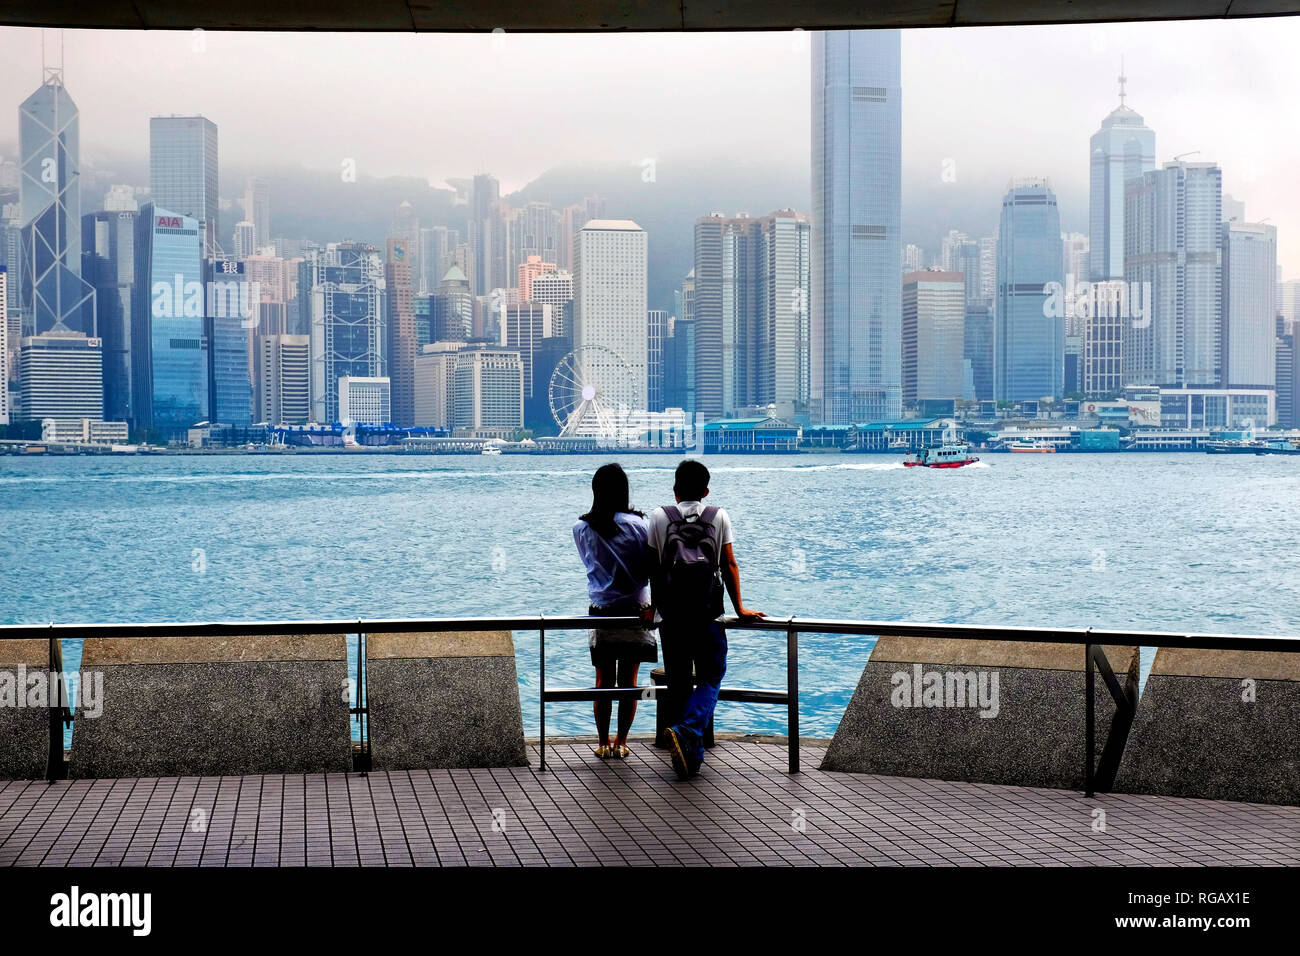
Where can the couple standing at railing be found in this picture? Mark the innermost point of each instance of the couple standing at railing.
(682, 558)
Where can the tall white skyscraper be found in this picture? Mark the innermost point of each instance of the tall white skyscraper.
(1173, 226)
(1122, 149)
(610, 298)
(1249, 314)
(857, 122)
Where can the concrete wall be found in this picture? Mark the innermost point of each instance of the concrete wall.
(210, 706)
(1218, 724)
(444, 700)
(24, 730)
(1033, 736)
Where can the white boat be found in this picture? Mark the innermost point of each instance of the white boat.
(491, 450)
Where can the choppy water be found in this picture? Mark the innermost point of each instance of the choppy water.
(1177, 541)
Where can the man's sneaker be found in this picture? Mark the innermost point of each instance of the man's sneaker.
(676, 754)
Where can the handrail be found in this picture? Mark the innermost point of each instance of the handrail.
(1089, 639)
(1038, 635)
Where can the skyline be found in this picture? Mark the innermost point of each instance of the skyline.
(664, 94)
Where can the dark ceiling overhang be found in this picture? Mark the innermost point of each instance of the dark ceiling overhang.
(598, 15)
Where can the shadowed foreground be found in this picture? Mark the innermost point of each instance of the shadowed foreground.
(744, 810)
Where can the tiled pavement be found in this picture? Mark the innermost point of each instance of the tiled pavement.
(743, 810)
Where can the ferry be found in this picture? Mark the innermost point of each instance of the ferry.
(941, 456)
(490, 450)
(1030, 445)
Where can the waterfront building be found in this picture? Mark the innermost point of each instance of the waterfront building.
(1211, 408)
(1029, 336)
(749, 436)
(183, 172)
(934, 329)
(1287, 376)
(53, 294)
(365, 401)
(435, 382)
(61, 376)
(1173, 218)
(282, 379)
(347, 291)
(230, 316)
(488, 392)
(610, 308)
(1249, 287)
(169, 342)
(977, 348)
(857, 367)
(657, 330)
(679, 366)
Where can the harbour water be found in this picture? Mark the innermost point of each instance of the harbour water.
(1160, 542)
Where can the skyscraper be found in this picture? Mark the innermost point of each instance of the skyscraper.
(183, 172)
(1121, 150)
(934, 327)
(257, 210)
(1172, 222)
(232, 311)
(61, 375)
(54, 296)
(857, 124)
(401, 331)
(751, 312)
(657, 330)
(1249, 287)
(610, 298)
(169, 341)
(108, 263)
(282, 394)
(348, 334)
(1029, 336)
(244, 242)
(555, 290)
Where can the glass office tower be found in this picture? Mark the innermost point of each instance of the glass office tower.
(53, 295)
(183, 171)
(857, 297)
(169, 354)
(1029, 336)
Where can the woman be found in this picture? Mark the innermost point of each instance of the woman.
(612, 541)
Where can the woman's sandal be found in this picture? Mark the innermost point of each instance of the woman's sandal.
(604, 752)
(620, 752)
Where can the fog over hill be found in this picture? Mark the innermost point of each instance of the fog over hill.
(665, 198)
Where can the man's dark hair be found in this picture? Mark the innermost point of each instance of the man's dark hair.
(691, 482)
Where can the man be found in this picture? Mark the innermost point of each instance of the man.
(693, 560)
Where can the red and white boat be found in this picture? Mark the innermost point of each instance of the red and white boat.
(941, 456)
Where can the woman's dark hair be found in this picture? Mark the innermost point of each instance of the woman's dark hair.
(609, 497)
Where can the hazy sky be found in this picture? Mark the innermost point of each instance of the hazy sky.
(997, 102)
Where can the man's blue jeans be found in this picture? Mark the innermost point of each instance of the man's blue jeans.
(704, 645)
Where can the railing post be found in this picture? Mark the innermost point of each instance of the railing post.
(541, 692)
(792, 693)
(1089, 721)
(54, 761)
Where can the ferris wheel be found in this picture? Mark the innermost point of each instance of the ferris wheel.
(591, 393)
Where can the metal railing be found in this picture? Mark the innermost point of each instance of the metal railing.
(1090, 640)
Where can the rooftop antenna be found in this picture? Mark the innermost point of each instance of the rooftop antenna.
(1122, 80)
(51, 73)
(1179, 157)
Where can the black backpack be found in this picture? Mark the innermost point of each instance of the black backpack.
(689, 567)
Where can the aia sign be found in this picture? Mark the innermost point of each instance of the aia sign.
(169, 222)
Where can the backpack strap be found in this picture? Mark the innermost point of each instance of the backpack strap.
(672, 513)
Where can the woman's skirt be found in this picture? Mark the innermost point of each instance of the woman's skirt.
(622, 644)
